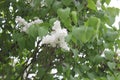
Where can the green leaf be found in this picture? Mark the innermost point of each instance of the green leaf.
(93, 22)
(30, 42)
(68, 38)
(83, 34)
(42, 31)
(79, 34)
(74, 17)
(108, 1)
(75, 52)
(111, 13)
(111, 65)
(90, 33)
(33, 31)
(52, 20)
(79, 6)
(57, 5)
(85, 68)
(118, 76)
(91, 5)
(20, 38)
(110, 77)
(66, 2)
(111, 35)
(109, 55)
(21, 42)
(91, 76)
(49, 2)
(98, 59)
(64, 15)
(36, 3)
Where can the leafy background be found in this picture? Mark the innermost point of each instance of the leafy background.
(92, 39)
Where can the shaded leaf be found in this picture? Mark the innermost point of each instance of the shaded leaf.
(111, 65)
(91, 5)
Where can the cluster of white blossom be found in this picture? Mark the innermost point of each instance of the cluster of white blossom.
(56, 37)
(25, 24)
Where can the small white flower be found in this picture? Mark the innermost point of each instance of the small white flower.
(53, 71)
(15, 60)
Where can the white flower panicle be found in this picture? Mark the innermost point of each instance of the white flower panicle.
(56, 37)
(25, 24)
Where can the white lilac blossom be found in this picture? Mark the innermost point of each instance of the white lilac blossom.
(53, 71)
(25, 24)
(21, 21)
(98, 4)
(118, 52)
(56, 37)
(14, 60)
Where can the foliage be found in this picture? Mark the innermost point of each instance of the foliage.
(89, 37)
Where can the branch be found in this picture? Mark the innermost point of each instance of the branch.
(26, 65)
